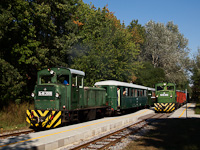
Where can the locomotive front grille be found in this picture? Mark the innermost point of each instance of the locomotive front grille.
(44, 119)
(164, 107)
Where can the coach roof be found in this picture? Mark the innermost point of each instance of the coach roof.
(119, 83)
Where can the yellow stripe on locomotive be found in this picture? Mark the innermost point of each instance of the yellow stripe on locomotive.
(164, 107)
(44, 119)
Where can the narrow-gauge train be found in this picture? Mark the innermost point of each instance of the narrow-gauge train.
(168, 98)
(60, 98)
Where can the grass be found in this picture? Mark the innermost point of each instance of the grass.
(14, 117)
(170, 134)
(197, 108)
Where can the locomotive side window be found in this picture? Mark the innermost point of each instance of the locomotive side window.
(80, 82)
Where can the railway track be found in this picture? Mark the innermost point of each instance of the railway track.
(111, 139)
(15, 133)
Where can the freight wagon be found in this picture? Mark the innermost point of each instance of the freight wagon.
(168, 98)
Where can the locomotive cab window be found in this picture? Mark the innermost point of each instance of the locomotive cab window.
(46, 79)
(80, 82)
(77, 81)
(170, 88)
(63, 79)
(160, 88)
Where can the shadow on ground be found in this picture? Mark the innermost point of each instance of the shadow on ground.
(170, 134)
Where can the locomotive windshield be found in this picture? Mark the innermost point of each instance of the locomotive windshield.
(46, 79)
(160, 88)
(171, 88)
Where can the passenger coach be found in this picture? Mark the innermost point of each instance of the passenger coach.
(124, 96)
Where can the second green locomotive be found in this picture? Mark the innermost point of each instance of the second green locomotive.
(168, 98)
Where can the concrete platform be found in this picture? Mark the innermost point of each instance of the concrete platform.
(182, 112)
(73, 134)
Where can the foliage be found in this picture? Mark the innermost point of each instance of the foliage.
(149, 76)
(137, 32)
(196, 78)
(11, 83)
(34, 35)
(109, 52)
(167, 48)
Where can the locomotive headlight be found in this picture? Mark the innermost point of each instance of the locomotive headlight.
(32, 94)
(156, 95)
(171, 96)
(57, 95)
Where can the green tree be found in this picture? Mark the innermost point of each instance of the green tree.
(36, 34)
(196, 78)
(11, 83)
(167, 48)
(108, 50)
(149, 76)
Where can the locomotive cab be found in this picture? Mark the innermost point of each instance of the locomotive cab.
(165, 97)
(58, 91)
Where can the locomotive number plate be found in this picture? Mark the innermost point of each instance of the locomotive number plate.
(164, 94)
(44, 93)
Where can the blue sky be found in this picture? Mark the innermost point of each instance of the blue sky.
(184, 13)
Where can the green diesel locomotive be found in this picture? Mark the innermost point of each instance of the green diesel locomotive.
(168, 98)
(60, 98)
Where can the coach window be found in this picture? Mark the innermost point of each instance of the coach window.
(132, 93)
(141, 92)
(125, 91)
(136, 93)
(145, 92)
(129, 92)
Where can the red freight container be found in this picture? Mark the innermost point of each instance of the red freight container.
(181, 97)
